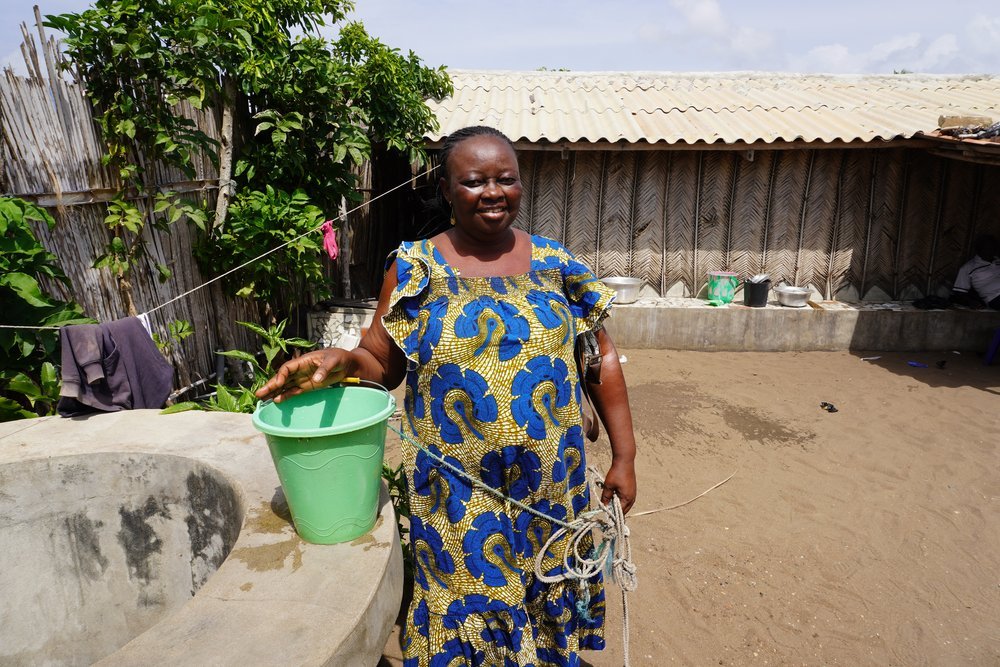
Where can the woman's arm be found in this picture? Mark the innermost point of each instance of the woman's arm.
(377, 358)
(611, 402)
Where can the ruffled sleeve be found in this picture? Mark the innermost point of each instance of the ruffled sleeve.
(401, 321)
(589, 299)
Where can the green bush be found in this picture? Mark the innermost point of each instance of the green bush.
(29, 385)
(260, 221)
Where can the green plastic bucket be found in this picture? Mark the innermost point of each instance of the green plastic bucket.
(327, 447)
(721, 286)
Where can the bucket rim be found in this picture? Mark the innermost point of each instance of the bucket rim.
(287, 432)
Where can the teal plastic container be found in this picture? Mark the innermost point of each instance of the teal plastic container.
(327, 447)
(721, 286)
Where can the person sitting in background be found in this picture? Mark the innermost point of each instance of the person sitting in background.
(978, 280)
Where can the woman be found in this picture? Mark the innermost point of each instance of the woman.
(481, 320)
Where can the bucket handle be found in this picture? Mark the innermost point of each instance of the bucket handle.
(344, 381)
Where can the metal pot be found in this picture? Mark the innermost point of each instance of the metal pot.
(793, 297)
(626, 288)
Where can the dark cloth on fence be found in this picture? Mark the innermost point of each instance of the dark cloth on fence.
(110, 367)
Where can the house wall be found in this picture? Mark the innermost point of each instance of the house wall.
(852, 222)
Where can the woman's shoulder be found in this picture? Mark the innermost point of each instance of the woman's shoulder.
(545, 243)
(549, 251)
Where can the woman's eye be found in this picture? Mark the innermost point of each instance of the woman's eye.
(508, 181)
(472, 184)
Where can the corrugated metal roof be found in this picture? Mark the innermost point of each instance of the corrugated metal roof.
(692, 108)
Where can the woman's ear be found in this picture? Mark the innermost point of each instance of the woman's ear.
(443, 189)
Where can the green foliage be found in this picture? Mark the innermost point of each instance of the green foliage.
(274, 348)
(260, 221)
(399, 494)
(28, 384)
(309, 111)
(177, 331)
(126, 222)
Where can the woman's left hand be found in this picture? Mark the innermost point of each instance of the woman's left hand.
(620, 481)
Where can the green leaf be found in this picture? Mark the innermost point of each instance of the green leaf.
(184, 406)
(259, 330)
(22, 384)
(225, 400)
(127, 127)
(50, 379)
(239, 354)
(25, 287)
(11, 410)
(165, 272)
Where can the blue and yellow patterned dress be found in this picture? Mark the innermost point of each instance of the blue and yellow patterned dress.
(492, 388)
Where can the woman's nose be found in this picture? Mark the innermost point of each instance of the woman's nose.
(492, 188)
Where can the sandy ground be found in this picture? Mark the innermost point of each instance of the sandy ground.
(868, 536)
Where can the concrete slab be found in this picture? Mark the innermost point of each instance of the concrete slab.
(691, 324)
(138, 538)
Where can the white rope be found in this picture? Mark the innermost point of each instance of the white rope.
(19, 326)
(290, 241)
(613, 556)
(255, 259)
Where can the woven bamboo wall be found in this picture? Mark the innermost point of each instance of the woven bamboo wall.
(872, 223)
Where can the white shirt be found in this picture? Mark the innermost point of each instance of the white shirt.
(979, 275)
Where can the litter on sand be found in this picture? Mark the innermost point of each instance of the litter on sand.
(916, 364)
(829, 407)
(871, 358)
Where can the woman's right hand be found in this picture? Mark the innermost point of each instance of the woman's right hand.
(313, 370)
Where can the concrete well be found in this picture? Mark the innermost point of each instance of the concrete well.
(138, 538)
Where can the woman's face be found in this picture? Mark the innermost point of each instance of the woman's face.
(483, 186)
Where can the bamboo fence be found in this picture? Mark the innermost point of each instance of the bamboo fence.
(51, 151)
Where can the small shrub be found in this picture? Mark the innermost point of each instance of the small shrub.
(29, 385)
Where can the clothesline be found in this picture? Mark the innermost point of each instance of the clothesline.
(248, 262)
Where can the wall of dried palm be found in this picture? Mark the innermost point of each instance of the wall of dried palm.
(51, 151)
(876, 223)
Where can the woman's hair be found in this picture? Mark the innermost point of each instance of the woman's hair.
(458, 136)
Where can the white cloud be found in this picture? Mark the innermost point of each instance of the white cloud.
(704, 16)
(890, 49)
(706, 29)
(750, 41)
(911, 52)
(938, 54)
(984, 35)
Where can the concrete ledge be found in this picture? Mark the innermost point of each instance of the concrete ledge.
(274, 600)
(691, 324)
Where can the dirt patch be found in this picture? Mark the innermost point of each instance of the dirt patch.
(862, 537)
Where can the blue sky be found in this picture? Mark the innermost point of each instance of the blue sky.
(842, 37)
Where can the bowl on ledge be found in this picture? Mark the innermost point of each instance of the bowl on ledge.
(793, 297)
(626, 288)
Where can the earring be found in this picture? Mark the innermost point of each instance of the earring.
(453, 218)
